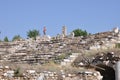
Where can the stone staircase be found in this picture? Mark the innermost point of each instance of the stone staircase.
(68, 61)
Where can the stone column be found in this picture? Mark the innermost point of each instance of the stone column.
(64, 31)
(117, 71)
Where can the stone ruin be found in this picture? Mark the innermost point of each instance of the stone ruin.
(104, 62)
(45, 49)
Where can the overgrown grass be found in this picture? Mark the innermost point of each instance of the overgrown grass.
(63, 56)
(117, 45)
(17, 73)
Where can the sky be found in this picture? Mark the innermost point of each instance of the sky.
(17, 17)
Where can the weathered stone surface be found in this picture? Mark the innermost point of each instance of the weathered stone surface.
(46, 49)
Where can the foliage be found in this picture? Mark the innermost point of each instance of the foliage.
(6, 39)
(16, 37)
(117, 45)
(63, 56)
(17, 73)
(33, 33)
(80, 32)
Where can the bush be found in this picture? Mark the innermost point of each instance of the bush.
(6, 39)
(79, 32)
(16, 37)
(33, 33)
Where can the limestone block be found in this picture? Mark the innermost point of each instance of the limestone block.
(31, 71)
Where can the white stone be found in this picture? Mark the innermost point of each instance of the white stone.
(116, 30)
(63, 76)
(98, 75)
(9, 73)
(51, 74)
(66, 60)
(69, 75)
(41, 77)
(31, 71)
(1, 67)
(7, 67)
(81, 64)
(63, 63)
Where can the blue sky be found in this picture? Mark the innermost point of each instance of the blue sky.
(20, 16)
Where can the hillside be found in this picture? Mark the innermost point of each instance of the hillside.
(59, 52)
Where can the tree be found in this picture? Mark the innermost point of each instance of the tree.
(80, 32)
(33, 33)
(6, 39)
(16, 37)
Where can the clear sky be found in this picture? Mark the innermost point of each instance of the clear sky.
(20, 16)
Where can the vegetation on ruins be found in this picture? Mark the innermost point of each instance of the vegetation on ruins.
(80, 32)
(6, 39)
(62, 56)
(117, 45)
(16, 37)
(17, 73)
(33, 33)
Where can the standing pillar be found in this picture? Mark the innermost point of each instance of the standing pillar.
(117, 71)
(64, 31)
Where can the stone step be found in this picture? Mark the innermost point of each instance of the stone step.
(70, 59)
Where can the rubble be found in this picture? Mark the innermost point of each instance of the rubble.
(62, 49)
(7, 74)
(106, 58)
